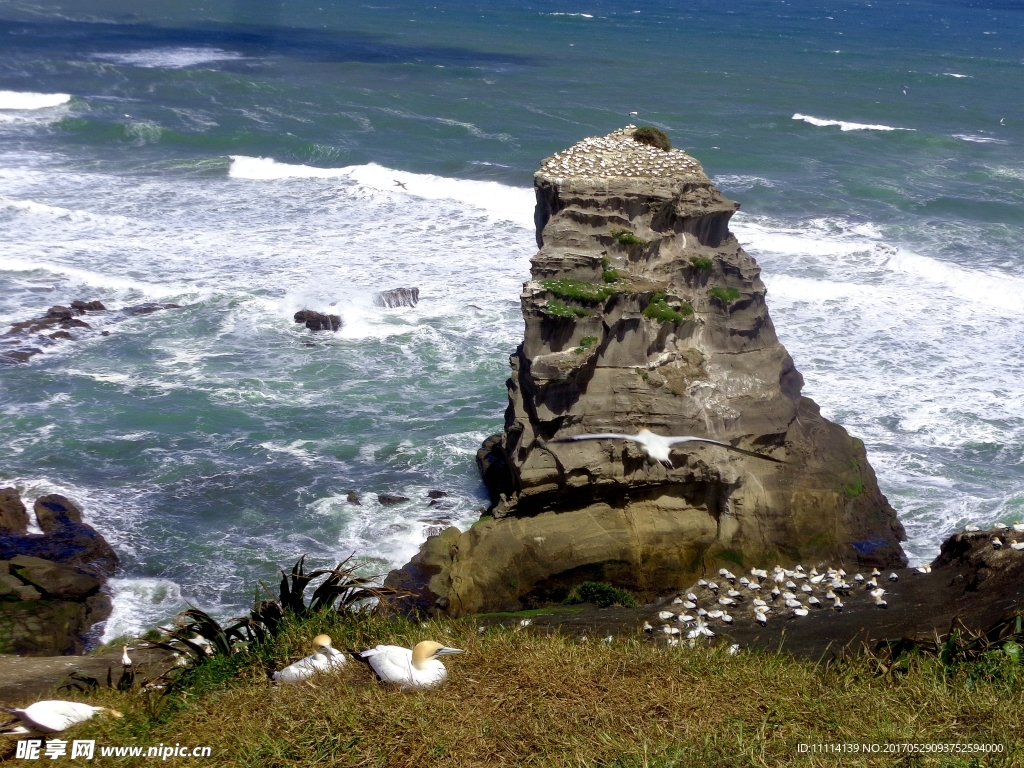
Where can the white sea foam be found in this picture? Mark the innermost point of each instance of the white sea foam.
(979, 139)
(978, 286)
(141, 603)
(499, 200)
(27, 100)
(739, 182)
(954, 74)
(847, 126)
(170, 58)
(581, 15)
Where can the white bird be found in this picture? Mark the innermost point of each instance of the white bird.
(801, 611)
(648, 628)
(996, 543)
(744, 581)
(798, 568)
(525, 622)
(1000, 526)
(880, 603)
(727, 618)
(838, 604)
(818, 579)
(54, 716)
(806, 588)
(1014, 544)
(715, 614)
(875, 572)
(324, 659)
(733, 593)
(701, 583)
(790, 585)
(689, 605)
(830, 595)
(877, 592)
(812, 600)
(858, 577)
(761, 619)
(658, 447)
(842, 573)
(893, 577)
(971, 528)
(1018, 526)
(726, 601)
(760, 603)
(610, 639)
(405, 668)
(665, 615)
(701, 612)
(754, 586)
(872, 582)
(677, 601)
(481, 630)
(673, 642)
(789, 596)
(125, 659)
(691, 597)
(793, 603)
(684, 618)
(670, 630)
(734, 649)
(775, 592)
(924, 569)
(712, 586)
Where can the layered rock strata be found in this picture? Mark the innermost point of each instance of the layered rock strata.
(50, 583)
(643, 311)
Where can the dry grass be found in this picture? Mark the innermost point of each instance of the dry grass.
(518, 698)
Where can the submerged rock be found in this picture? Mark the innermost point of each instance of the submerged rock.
(398, 297)
(643, 311)
(13, 515)
(389, 500)
(317, 321)
(57, 324)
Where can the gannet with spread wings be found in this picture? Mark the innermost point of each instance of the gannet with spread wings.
(658, 447)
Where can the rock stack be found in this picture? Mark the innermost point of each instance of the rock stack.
(643, 311)
(50, 583)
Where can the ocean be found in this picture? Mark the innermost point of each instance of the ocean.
(240, 158)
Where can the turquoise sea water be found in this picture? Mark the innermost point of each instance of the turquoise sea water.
(240, 158)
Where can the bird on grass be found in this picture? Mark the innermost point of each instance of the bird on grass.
(55, 716)
(127, 672)
(324, 659)
(658, 448)
(405, 668)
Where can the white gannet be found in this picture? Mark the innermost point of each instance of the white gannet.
(924, 569)
(842, 573)
(830, 595)
(996, 543)
(324, 659)
(658, 447)
(813, 601)
(789, 596)
(754, 586)
(673, 642)
(405, 668)
(701, 583)
(876, 593)
(775, 593)
(793, 604)
(670, 630)
(715, 614)
(1000, 526)
(701, 612)
(712, 586)
(790, 585)
(744, 581)
(799, 568)
(760, 603)
(525, 622)
(880, 603)
(806, 588)
(648, 628)
(971, 528)
(691, 597)
(727, 618)
(870, 583)
(125, 659)
(761, 618)
(858, 578)
(684, 618)
(54, 716)
(818, 579)
(734, 649)
(875, 572)
(733, 593)
(1018, 526)
(677, 601)
(838, 604)
(689, 605)
(665, 615)
(893, 577)
(801, 611)
(726, 601)
(1014, 544)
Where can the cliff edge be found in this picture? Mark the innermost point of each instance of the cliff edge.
(643, 311)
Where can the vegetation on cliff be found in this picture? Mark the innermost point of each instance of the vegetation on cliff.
(652, 136)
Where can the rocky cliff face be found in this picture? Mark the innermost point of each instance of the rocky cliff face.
(644, 312)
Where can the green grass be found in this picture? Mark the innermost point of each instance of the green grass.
(652, 136)
(586, 343)
(520, 697)
(601, 595)
(724, 295)
(701, 263)
(578, 290)
(658, 309)
(627, 238)
(610, 275)
(558, 309)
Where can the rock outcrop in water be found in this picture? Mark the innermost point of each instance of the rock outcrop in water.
(398, 297)
(28, 338)
(317, 321)
(644, 312)
(50, 583)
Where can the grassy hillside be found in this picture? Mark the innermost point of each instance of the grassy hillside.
(517, 697)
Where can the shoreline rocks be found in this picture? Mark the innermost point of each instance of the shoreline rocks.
(397, 297)
(643, 311)
(50, 583)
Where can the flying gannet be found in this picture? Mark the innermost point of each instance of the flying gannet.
(325, 658)
(658, 447)
(55, 716)
(405, 668)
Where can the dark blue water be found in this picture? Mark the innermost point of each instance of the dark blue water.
(240, 159)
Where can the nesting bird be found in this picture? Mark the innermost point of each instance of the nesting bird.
(325, 658)
(996, 543)
(418, 667)
(54, 716)
(658, 447)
